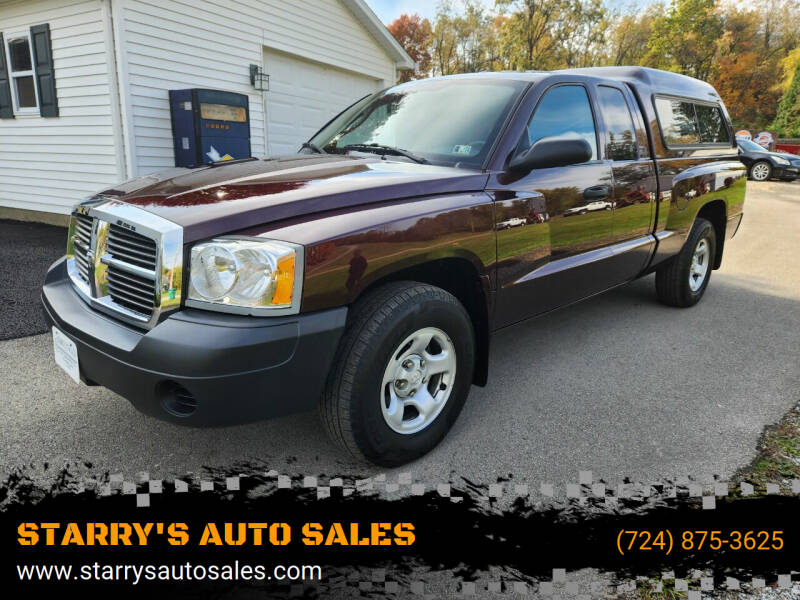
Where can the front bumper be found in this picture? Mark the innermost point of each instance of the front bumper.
(235, 369)
(789, 173)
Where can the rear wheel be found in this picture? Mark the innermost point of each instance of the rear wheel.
(684, 279)
(403, 373)
(761, 171)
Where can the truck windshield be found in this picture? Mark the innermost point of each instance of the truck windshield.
(448, 121)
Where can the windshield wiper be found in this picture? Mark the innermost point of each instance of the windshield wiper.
(387, 149)
(313, 146)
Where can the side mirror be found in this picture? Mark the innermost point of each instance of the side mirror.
(552, 151)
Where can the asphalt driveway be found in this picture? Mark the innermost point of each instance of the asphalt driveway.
(26, 251)
(619, 385)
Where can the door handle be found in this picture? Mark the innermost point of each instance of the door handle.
(596, 192)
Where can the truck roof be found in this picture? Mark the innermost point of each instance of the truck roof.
(656, 80)
(644, 79)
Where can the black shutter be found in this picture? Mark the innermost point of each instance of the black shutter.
(6, 109)
(45, 75)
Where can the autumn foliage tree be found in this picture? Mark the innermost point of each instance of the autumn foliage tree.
(743, 78)
(752, 55)
(748, 51)
(414, 35)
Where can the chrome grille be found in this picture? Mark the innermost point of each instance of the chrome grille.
(125, 288)
(82, 240)
(125, 261)
(131, 247)
(136, 293)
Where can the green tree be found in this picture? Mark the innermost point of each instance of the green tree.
(465, 41)
(684, 40)
(787, 121)
(531, 34)
(629, 35)
(496, 57)
(472, 27)
(445, 40)
(582, 31)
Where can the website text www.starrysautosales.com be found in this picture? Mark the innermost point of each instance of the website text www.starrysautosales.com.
(142, 573)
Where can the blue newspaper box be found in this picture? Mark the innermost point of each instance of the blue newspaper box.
(209, 126)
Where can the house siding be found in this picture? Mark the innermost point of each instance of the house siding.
(116, 60)
(49, 164)
(173, 44)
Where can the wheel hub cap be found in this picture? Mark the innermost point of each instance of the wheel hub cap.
(418, 380)
(409, 375)
(699, 267)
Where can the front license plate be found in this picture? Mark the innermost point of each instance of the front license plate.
(66, 353)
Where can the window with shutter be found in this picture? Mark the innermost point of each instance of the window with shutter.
(27, 79)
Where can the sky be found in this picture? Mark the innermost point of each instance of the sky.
(389, 10)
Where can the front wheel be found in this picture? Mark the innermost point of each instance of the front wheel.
(761, 171)
(684, 279)
(403, 373)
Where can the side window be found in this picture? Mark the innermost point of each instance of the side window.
(711, 124)
(621, 143)
(20, 72)
(564, 110)
(677, 121)
(27, 77)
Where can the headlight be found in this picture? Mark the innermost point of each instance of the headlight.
(246, 276)
(780, 160)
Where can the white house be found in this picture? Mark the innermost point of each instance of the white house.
(84, 83)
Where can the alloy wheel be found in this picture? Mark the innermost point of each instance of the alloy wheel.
(760, 171)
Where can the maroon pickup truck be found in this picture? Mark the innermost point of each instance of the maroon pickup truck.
(366, 273)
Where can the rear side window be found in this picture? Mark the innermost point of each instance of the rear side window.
(564, 110)
(711, 124)
(678, 121)
(689, 123)
(621, 143)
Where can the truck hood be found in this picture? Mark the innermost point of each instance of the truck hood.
(225, 198)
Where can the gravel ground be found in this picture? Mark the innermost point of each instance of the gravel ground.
(619, 385)
(26, 251)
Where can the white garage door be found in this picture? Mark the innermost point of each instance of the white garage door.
(303, 96)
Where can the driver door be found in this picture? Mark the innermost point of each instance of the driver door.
(556, 257)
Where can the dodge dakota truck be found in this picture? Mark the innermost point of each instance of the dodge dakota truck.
(366, 274)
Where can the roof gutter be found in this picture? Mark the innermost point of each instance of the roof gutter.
(373, 24)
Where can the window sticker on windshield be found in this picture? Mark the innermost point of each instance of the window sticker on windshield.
(462, 149)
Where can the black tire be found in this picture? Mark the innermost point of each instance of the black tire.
(351, 405)
(672, 280)
(761, 163)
